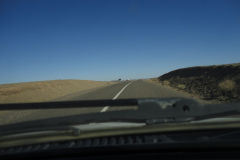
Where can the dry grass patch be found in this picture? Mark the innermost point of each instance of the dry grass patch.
(181, 86)
(227, 85)
(45, 90)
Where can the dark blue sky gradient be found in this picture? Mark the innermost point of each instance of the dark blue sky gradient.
(106, 40)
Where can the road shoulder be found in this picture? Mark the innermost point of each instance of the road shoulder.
(184, 94)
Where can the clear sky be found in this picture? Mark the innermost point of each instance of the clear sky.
(107, 40)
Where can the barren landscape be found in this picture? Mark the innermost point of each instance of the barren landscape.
(216, 82)
(45, 90)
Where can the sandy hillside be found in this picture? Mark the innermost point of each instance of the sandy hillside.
(45, 90)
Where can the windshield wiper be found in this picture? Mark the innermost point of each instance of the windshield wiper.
(183, 110)
(150, 111)
(166, 107)
(69, 104)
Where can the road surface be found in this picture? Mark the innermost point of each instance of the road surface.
(121, 90)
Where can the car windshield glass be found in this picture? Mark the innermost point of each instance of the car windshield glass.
(137, 61)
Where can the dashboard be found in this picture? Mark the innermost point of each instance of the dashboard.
(206, 144)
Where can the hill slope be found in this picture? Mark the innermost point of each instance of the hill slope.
(44, 90)
(217, 82)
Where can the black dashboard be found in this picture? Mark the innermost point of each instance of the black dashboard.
(214, 144)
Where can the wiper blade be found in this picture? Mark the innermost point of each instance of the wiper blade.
(68, 104)
(165, 107)
(150, 111)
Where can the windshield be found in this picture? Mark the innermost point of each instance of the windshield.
(91, 50)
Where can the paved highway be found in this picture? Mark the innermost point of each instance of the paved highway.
(121, 90)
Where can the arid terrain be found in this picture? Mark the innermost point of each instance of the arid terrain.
(45, 90)
(217, 82)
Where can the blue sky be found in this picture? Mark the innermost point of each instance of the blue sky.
(107, 40)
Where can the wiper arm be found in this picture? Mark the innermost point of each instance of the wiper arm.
(69, 104)
(150, 111)
(182, 110)
(166, 107)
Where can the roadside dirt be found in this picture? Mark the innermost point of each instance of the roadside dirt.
(182, 93)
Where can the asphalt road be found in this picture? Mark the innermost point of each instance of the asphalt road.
(121, 90)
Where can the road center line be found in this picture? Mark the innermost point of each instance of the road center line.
(115, 97)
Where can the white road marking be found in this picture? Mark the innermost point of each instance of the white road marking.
(116, 96)
(104, 109)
